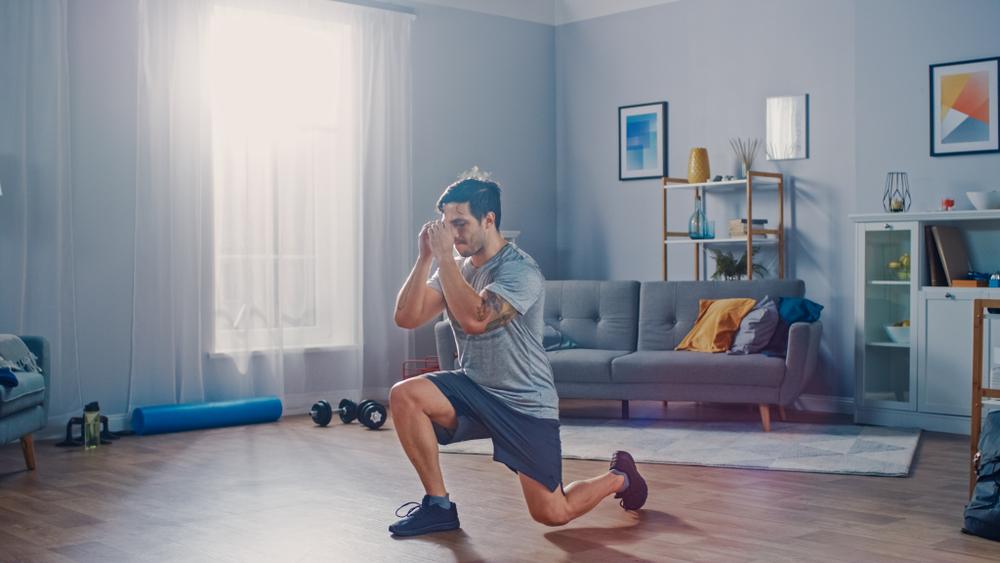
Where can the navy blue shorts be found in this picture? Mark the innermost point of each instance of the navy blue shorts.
(524, 443)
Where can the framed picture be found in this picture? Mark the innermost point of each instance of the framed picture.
(964, 107)
(787, 127)
(642, 141)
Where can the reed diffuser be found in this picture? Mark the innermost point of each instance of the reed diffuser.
(745, 151)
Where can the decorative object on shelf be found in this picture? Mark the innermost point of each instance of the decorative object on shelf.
(738, 227)
(947, 203)
(901, 266)
(642, 141)
(787, 127)
(896, 196)
(698, 224)
(899, 332)
(745, 151)
(994, 280)
(698, 169)
(984, 200)
(728, 267)
(964, 107)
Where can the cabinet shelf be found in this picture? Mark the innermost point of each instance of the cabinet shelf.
(733, 240)
(891, 282)
(890, 344)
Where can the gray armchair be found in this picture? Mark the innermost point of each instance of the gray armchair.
(24, 408)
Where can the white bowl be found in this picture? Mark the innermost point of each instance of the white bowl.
(898, 334)
(984, 200)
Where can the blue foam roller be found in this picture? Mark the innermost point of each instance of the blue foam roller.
(192, 416)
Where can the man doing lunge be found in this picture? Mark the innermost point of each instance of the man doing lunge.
(503, 389)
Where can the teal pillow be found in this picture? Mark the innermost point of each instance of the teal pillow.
(552, 340)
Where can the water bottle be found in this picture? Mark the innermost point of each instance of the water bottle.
(91, 425)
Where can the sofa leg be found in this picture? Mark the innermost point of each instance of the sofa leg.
(625, 410)
(765, 417)
(28, 447)
(781, 412)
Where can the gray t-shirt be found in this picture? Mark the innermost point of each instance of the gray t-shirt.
(509, 361)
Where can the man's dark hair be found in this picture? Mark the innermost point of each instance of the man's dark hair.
(482, 196)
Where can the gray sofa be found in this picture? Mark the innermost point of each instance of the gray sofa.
(626, 333)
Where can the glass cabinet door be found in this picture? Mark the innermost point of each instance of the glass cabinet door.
(888, 378)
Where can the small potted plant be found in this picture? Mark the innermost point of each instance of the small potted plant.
(729, 267)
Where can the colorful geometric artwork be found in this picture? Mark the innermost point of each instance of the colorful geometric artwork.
(964, 107)
(642, 141)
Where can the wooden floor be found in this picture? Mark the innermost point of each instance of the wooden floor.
(291, 491)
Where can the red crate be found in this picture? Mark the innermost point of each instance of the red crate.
(426, 364)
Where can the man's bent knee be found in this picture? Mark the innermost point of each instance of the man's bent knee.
(550, 515)
(419, 394)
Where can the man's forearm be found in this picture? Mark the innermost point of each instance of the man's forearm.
(410, 301)
(463, 301)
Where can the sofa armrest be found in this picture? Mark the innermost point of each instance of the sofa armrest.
(39, 346)
(447, 350)
(801, 359)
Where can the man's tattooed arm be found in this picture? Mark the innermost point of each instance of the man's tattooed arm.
(494, 311)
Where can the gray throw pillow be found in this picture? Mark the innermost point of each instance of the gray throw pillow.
(756, 328)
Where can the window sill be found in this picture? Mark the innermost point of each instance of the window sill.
(223, 354)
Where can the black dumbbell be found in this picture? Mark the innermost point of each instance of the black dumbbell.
(322, 412)
(372, 414)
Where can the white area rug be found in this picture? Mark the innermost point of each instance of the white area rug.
(816, 448)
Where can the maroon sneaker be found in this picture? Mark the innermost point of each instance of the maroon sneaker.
(635, 495)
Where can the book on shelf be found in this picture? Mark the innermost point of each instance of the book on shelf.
(952, 251)
(934, 267)
(738, 227)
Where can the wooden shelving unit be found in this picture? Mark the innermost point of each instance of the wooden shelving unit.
(753, 237)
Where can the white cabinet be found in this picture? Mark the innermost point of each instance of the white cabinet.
(925, 380)
(945, 364)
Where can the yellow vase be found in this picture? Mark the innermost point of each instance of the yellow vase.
(698, 170)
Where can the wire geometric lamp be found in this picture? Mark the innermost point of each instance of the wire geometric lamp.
(896, 196)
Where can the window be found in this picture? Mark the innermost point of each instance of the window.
(285, 182)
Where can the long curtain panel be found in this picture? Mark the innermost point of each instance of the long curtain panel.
(272, 200)
(37, 254)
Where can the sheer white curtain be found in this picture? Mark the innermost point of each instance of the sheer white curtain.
(38, 291)
(273, 197)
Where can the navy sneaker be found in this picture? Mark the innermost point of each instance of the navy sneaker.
(424, 518)
(635, 495)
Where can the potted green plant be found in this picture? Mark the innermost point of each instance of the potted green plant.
(728, 267)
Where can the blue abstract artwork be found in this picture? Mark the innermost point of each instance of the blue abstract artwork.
(640, 143)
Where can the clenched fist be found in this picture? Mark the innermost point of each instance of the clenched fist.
(441, 240)
(424, 241)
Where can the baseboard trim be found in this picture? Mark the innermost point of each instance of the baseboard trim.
(825, 403)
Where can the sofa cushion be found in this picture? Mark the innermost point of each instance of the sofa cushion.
(668, 366)
(583, 365)
(30, 391)
(718, 320)
(756, 328)
(595, 314)
(790, 311)
(668, 310)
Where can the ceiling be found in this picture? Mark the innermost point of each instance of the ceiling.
(550, 12)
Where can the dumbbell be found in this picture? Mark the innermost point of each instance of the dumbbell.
(372, 414)
(322, 412)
